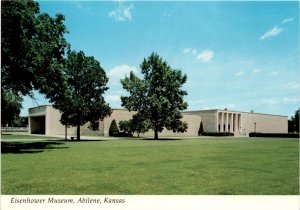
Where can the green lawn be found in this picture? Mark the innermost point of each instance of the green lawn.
(235, 166)
(14, 137)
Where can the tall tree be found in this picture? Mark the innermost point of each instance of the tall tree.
(32, 48)
(158, 96)
(81, 100)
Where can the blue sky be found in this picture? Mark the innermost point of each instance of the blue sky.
(237, 55)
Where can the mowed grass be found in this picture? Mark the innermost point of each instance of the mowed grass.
(212, 166)
(24, 137)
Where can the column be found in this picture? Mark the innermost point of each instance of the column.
(226, 122)
(231, 122)
(239, 123)
(217, 121)
(221, 121)
(236, 123)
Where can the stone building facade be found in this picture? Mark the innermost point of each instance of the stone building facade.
(45, 120)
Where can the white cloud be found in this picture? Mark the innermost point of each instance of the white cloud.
(272, 32)
(121, 71)
(286, 20)
(255, 71)
(121, 13)
(222, 106)
(194, 51)
(186, 50)
(112, 98)
(292, 85)
(190, 50)
(205, 55)
(288, 100)
(274, 73)
(240, 73)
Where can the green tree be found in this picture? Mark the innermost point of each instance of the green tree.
(113, 128)
(158, 96)
(11, 105)
(32, 48)
(296, 121)
(94, 125)
(139, 124)
(126, 126)
(21, 122)
(201, 130)
(81, 98)
(293, 123)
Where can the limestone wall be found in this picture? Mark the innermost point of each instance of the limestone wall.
(193, 122)
(53, 125)
(209, 120)
(264, 123)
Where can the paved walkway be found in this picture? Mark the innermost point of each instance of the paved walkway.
(81, 137)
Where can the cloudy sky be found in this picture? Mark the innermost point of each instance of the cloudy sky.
(237, 55)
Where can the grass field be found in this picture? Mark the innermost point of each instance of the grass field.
(24, 137)
(212, 166)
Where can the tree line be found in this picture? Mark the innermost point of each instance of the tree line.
(36, 56)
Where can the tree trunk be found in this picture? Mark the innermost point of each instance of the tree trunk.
(78, 126)
(78, 132)
(155, 134)
(66, 133)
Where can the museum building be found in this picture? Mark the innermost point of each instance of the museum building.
(46, 120)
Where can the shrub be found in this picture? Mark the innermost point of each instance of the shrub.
(123, 134)
(201, 130)
(217, 134)
(113, 129)
(280, 135)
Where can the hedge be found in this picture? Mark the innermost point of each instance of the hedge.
(217, 134)
(281, 135)
(122, 134)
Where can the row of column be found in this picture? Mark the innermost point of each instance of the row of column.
(229, 122)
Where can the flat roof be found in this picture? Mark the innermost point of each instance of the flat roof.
(216, 110)
(191, 111)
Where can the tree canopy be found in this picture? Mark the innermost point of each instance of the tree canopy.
(32, 47)
(157, 97)
(81, 99)
(32, 50)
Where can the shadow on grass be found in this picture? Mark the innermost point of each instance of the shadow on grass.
(83, 140)
(30, 147)
(162, 139)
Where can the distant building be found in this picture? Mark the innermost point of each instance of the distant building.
(45, 120)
